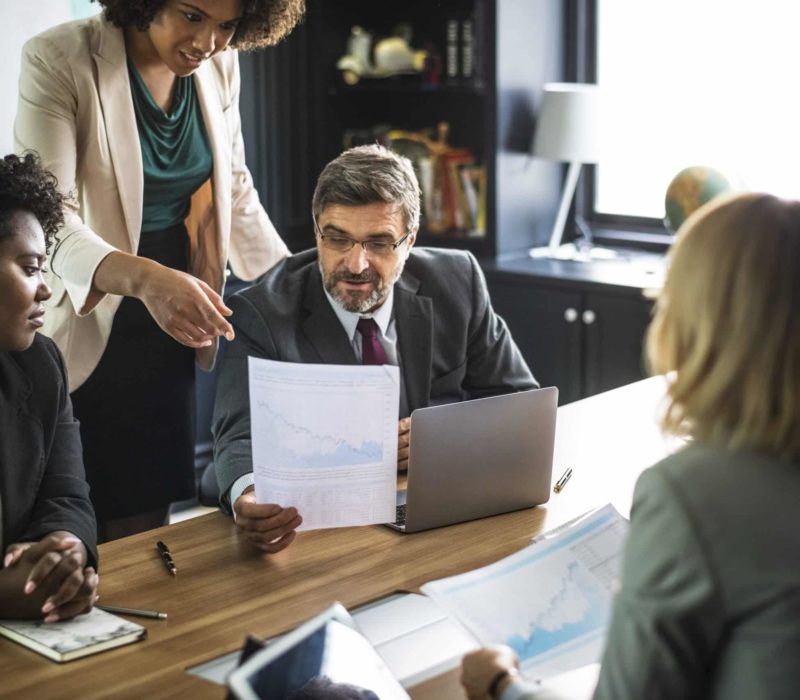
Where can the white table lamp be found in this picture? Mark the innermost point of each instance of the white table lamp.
(567, 130)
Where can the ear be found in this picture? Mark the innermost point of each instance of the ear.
(412, 239)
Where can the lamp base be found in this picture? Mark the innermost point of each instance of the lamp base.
(576, 253)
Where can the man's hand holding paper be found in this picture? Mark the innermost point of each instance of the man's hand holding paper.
(403, 443)
(268, 526)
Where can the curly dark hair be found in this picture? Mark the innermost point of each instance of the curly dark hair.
(26, 185)
(263, 23)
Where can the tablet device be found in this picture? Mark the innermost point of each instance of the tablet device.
(326, 658)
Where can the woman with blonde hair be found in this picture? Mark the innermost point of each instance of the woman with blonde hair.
(709, 605)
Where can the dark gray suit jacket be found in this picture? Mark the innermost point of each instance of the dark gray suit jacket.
(709, 604)
(42, 482)
(452, 345)
(710, 600)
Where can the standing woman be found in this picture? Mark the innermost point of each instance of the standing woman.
(136, 113)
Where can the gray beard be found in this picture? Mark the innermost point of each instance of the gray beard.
(355, 303)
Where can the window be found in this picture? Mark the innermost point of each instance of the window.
(693, 82)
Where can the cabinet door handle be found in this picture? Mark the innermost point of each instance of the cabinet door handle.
(589, 317)
(570, 315)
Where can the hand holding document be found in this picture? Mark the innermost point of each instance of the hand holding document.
(325, 440)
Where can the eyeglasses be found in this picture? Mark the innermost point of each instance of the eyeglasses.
(372, 246)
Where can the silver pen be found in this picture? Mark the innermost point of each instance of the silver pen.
(152, 614)
(563, 480)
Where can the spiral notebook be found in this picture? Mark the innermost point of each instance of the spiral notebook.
(71, 639)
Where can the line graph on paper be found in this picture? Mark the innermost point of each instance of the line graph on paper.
(547, 601)
(292, 443)
(299, 434)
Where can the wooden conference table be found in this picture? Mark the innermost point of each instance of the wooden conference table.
(225, 590)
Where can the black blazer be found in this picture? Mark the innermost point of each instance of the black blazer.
(452, 345)
(42, 481)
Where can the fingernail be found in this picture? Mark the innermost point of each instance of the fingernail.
(51, 618)
(30, 587)
(229, 335)
(7, 560)
(47, 607)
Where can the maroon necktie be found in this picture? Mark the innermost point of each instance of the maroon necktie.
(372, 352)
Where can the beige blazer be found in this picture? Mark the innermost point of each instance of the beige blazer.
(75, 109)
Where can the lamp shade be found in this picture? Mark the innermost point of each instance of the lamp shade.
(568, 125)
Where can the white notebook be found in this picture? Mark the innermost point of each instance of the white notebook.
(71, 639)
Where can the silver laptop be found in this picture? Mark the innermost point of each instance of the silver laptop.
(478, 458)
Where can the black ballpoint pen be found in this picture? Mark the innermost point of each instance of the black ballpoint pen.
(166, 557)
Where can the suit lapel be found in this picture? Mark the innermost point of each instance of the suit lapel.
(208, 96)
(414, 318)
(322, 327)
(120, 123)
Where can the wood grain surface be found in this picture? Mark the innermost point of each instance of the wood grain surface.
(226, 590)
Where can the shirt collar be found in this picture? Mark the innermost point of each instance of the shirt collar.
(349, 319)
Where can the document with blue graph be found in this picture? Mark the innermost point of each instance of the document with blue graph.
(324, 440)
(550, 602)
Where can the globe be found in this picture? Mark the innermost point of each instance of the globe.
(689, 190)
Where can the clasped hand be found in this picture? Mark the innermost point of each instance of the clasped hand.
(48, 579)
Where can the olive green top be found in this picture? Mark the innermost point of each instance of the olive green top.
(176, 155)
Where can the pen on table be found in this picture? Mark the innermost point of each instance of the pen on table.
(132, 611)
(563, 480)
(166, 557)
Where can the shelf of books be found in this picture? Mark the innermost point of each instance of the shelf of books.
(415, 78)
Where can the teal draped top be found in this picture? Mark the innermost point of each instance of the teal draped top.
(176, 155)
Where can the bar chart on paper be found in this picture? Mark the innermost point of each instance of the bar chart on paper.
(550, 602)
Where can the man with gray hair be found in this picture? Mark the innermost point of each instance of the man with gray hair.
(363, 295)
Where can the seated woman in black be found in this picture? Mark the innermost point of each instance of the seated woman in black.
(47, 526)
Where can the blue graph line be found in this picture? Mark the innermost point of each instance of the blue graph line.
(319, 449)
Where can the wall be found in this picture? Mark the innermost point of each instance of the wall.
(20, 21)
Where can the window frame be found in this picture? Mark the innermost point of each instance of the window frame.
(610, 229)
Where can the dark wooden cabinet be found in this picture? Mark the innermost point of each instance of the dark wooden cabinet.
(578, 331)
(614, 330)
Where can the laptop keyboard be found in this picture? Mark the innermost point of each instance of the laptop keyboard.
(400, 515)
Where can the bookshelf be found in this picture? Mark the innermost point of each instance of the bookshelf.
(487, 61)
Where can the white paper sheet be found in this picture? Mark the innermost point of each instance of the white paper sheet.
(325, 440)
(549, 602)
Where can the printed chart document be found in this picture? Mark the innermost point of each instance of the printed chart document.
(325, 440)
(550, 602)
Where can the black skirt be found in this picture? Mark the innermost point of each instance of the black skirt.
(137, 409)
